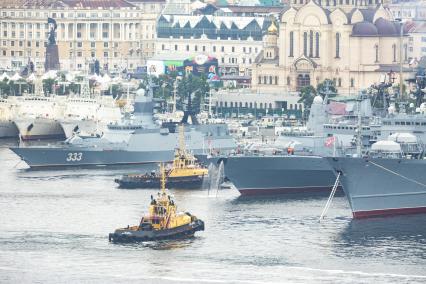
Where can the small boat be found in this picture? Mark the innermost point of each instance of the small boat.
(185, 173)
(162, 222)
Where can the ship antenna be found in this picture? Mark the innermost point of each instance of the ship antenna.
(358, 140)
(181, 139)
(163, 179)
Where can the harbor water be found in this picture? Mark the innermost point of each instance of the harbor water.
(55, 223)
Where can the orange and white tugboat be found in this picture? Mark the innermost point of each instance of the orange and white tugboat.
(163, 221)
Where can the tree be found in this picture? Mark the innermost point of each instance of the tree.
(196, 87)
(162, 86)
(5, 88)
(327, 88)
(48, 85)
(307, 95)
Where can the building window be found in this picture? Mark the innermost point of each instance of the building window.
(305, 43)
(214, 48)
(376, 50)
(311, 44)
(196, 48)
(337, 45)
(222, 49)
(204, 48)
(288, 80)
(162, 47)
(106, 54)
(176, 47)
(317, 45)
(276, 80)
(339, 82)
(93, 44)
(352, 82)
(394, 52)
(270, 80)
(233, 49)
(259, 80)
(105, 44)
(291, 44)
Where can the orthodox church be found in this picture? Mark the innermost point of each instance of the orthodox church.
(353, 42)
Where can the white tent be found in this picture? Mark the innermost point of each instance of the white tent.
(106, 78)
(49, 75)
(16, 77)
(4, 76)
(31, 78)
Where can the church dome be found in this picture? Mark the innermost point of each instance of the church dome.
(272, 28)
(364, 29)
(386, 27)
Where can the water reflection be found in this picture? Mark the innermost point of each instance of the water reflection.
(397, 237)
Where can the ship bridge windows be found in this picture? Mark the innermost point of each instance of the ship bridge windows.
(417, 123)
(423, 123)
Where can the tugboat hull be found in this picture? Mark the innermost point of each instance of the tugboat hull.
(190, 182)
(128, 236)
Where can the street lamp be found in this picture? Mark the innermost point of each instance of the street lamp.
(401, 33)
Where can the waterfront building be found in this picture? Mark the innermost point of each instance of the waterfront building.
(120, 34)
(234, 40)
(352, 43)
(243, 102)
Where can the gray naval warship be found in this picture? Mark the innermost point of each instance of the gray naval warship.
(266, 175)
(130, 145)
(391, 180)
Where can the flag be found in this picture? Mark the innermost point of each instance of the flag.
(330, 141)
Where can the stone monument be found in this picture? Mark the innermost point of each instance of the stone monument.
(52, 53)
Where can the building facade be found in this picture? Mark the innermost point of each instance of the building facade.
(242, 102)
(352, 44)
(416, 39)
(408, 10)
(117, 33)
(235, 41)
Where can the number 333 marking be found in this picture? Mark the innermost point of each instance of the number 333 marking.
(73, 157)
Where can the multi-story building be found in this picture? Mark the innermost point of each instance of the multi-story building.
(235, 41)
(119, 34)
(352, 44)
(408, 10)
(416, 39)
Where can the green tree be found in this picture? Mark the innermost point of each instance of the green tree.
(162, 86)
(5, 89)
(307, 95)
(196, 87)
(327, 87)
(48, 85)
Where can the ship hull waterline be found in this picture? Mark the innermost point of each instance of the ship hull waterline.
(195, 182)
(382, 187)
(129, 236)
(74, 157)
(277, 175)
